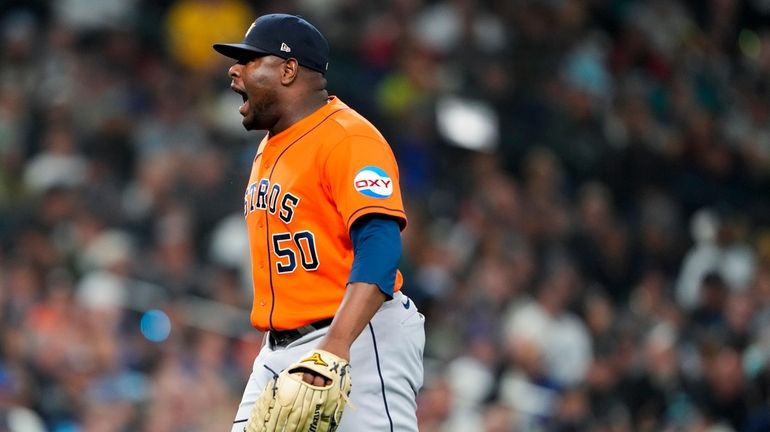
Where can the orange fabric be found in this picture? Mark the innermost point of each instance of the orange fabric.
(308, 185)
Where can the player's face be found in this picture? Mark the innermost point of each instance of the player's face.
(256, 80)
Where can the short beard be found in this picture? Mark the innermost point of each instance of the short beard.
(263, 114)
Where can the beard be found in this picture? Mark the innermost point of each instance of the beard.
(263, 112)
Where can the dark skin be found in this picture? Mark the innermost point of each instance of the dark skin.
(278, 93)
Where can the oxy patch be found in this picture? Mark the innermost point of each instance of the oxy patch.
(373, 182)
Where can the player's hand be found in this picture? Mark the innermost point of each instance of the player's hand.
(315, 379)
(338, 349)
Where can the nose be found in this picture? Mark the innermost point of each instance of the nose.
(235, 70)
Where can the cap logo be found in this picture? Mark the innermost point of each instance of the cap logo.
(284, 47)
(251, 27)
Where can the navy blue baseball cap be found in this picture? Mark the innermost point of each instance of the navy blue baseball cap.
(282, 35)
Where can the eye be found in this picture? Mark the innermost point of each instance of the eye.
(248, 59)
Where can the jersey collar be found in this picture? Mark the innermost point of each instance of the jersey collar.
(301, 127)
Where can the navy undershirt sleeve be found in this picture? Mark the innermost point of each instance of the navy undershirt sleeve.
(377, 251)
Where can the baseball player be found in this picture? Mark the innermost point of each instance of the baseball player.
(343, 346)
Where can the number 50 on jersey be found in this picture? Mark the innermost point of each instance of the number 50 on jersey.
(286, 245)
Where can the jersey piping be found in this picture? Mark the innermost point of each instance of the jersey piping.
(353, 217)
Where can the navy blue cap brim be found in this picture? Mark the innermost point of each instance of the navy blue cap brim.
(239, 51)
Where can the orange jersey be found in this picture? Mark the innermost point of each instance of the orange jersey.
(308, 185)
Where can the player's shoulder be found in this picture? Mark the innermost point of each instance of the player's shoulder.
(350, 123)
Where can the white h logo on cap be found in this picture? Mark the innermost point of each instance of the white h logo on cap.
(284, 47)
(250, 27)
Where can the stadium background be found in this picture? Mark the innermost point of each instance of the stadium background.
(587, 183)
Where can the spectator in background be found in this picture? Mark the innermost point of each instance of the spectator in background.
(546, 323)
(720, 248)
(58, 164)
(601, 244)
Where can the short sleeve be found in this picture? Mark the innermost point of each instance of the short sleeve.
(362, 177)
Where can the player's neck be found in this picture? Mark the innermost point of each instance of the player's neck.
(298, 109)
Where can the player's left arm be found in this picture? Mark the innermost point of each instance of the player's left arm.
(362, 176)
(377, 251)
(361, 302)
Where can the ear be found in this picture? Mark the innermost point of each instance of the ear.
(289, 71)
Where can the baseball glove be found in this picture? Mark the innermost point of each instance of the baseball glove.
(290, 404)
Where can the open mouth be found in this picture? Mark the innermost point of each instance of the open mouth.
(243, 109)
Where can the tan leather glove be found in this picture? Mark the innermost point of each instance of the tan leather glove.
(290, 404)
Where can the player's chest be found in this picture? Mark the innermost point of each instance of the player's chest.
(280, 182)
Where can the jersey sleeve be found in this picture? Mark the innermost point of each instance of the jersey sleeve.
(362, 177)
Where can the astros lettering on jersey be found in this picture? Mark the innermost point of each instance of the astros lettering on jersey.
(308, 185)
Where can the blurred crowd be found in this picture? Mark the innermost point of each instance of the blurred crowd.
(601, 263)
